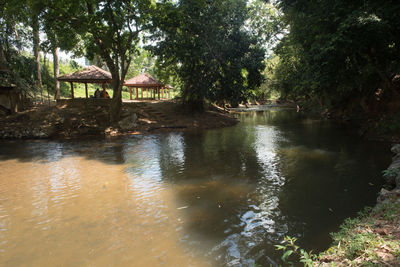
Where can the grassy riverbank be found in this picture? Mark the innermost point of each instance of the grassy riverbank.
(371, 239)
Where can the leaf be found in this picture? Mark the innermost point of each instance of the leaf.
(280, 247)
(286, 255)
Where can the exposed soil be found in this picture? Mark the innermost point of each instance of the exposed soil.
(76, 120)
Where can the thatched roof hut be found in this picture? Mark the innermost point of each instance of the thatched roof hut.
(145, 81)
(91, 74)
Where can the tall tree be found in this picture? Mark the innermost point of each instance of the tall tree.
(343, 50)
(56, 70)
(34, 14)
(36, 49)
(108, 28)
(216, 58)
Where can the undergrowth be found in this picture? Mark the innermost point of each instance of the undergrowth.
(370, 239)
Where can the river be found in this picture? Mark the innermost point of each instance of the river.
(220, 197)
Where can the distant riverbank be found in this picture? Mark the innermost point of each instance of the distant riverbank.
(72, 119)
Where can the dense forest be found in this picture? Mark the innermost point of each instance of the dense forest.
(337, 57)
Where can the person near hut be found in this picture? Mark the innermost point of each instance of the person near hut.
(105, 94)
(97, 93)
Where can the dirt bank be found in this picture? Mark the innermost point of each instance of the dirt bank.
(76, 119)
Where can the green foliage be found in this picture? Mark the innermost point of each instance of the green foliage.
(290, 248)
(206, 45)
(265, 21)
(359, 242)
(268, 89)
(390, 123)
(337, 51)
(391, 172)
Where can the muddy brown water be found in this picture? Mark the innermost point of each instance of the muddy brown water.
(220, 197)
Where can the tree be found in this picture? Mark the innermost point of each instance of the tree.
(343, 50)
(36, 44)
(14, 33)
(108, 28)
(215, 58)
(266, 22)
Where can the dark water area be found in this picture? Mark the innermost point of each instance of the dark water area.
(220, 197)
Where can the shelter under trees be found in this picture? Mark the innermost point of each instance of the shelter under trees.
(91, 74)
(145, 82)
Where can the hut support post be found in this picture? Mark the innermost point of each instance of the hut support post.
(130, 93)
(147, 92)
(86, 90)
(104, 90)
(142, 92)
(158, 91)
(72, 90)
(137, 93)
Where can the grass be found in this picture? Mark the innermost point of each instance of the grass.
(371, 239)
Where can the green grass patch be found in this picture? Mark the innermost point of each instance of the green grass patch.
(371, 239)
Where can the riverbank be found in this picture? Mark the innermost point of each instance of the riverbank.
(373, 238)
(379, 124)
(67, 120)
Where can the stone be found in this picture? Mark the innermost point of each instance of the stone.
(396, 149)
(383, 195)
(128, 123)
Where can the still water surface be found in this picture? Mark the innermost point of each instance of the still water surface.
(220, 197)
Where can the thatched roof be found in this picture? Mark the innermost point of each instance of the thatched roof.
(91, 74)
(143, 80)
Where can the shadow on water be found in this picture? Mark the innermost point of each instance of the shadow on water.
(237, 191)
(44, 151)
(277, 173)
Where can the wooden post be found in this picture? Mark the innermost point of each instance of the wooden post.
(137, 93)
(72, 90)
(147, 92)
(104, 90)
(158, 91)
(130, 93)
(86, 90)
(142, 92)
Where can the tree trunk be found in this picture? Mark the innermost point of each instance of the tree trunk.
(116, 102)
(56, 73)
(36, 51)
(17, 38)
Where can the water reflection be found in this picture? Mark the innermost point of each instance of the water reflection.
(214, 198)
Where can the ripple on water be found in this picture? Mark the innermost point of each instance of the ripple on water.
(215, 198)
